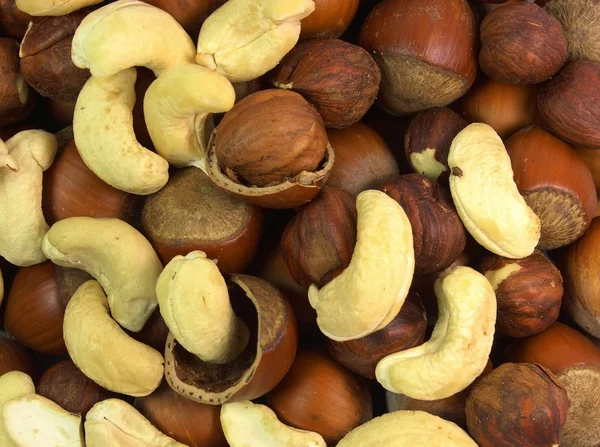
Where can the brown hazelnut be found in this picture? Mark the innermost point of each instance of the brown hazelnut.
(517, 404)
(14, 356)
(189, 13)
(61, 111)
(428, 139)
(363, 160)
(425, 49)
(528, 291)
(16, 97)
(570, 104)
(339, 79)
(329, 19)
(405, 331)
(317, 244)
(556, 184)
(321, 396)
(591, 157)
(439, 236)
(46, 56)
(36, 305)
(13, 21)
(154, 333)
(190, 213)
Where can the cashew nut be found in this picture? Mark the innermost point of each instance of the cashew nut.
(53, 7)
(130, 33)
(246, 424)
(12, 385)
(117, 255)
(103, 351)
(486, 196)
(244, 39)
(194, 302)
(460, 344)
(106, 141)
(407, 428)
(22, 223)
(178, 108)
(6, 161)
(34, 421)
(115, 423)
(372, 289)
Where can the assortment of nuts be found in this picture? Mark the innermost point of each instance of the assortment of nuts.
(300, 223)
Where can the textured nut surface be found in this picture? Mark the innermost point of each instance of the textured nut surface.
(117, 255)
(244, 39)
(459, 347)
(13, 88)
(486, 196)
(13, 384)
(1, 287)
(103, 351)
(53, 7)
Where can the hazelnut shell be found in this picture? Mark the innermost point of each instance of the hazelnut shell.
(15, 357)
(13, 21)
(329, 19)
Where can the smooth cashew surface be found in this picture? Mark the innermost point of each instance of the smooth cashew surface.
(248, 424)
(486, 196)
(407, 428)
(130, 33)
(194, 302)
(178, 108)
(22, 223)
(106, 141)
(117, 255)
(115, 423)
(103, 351)
(6, 161)
(460, 344)
(34, 421)
(244, 39)
(13, 384)
(53, 7)
(372, 289)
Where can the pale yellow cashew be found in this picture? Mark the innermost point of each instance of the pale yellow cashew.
(6, 161)
(244, 39)
(13, 384)
(178, 108)
(372, 289)
(130, 33)
(53, 7)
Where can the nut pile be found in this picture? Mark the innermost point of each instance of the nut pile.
(300, 223)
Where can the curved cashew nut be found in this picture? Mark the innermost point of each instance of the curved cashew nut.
(194, 302)
(244, 39)
(106, 141)
(178, 107)
(486, 196)
(130, 33)
(117, 255)
(245, 423)
(103, 351)
(13, 384)
(410, 428)
(372, 289)
(53, 7)
(6, 161)
(115, 423)
(460, 344)
(22, 223)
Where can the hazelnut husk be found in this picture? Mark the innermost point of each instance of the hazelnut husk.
(318, 242)
(191, 213)
(320, 395)
(439, 236)
(428, 139)
(14, 356)
(556, 184)
(528, 291)
(405, 331)
(426, 50)
(17, 100)
(339, 79)
(517, 404)
(329, 19)
(36, 305)
(569, 104)
(13, 21)
(190, 14)
(46, 56)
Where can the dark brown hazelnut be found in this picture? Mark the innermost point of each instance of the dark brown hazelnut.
(16, 103)
(61, 111)
(528, 291)
(46, 56)
(189, 13)
(154, 333)
(339, 79)
(14, 356)
(517, 404)
(439, 236)
(329, 19)
(13, 21)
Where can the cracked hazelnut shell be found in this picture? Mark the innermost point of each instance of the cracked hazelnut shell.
(329, 19)
(17, 100)
(13, 21)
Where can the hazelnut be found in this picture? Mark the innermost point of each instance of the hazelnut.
(14, 356)
(528, 291)
(329, 19)
(517, 404)
(428, 139)
(13, 21)
(556, 184)
(189, 13)
(154, 333)
(425, 49)
(439, 236)
(591, 157)
(570, 104)
(46, 56)
(339, 79)
(17, 101)
(318, 243)
(61, 111)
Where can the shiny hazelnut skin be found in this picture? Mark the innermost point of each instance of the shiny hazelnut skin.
(13, 21)
(517, 404)
(189, 13)
(591, 157)
(16, 97)
(329, 19)
(15, 357)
